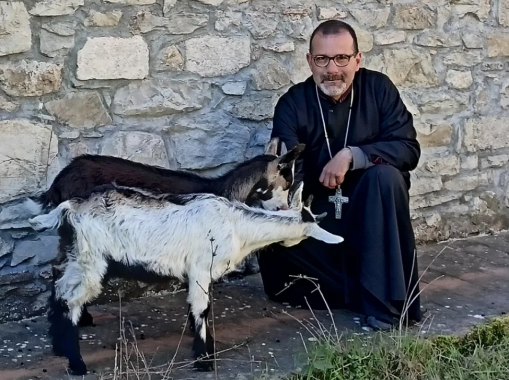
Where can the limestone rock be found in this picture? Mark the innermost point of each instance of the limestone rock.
(437, 39)
(443, 103)
(371, 15)
(504, 94)
(53, 45)
(413, 16)
(66, 29)
(55, 7)
(211, 56)
(261, 24)
(364, 39)
(498, 45)
(15, 32)
(299, 68)
(168, 6)
(466, 183)
(154, 98)
(390, 37)
(424, 185)
(298, 26)
(23, 166)
(279, 46)
(228, 20)
(479, 8)
(473, 40)
(410, 67)
(6, 105)
(143, 147)
(208, 142)
(433, 165)
(170, 59)
(465, 58)
(269, 74)
(175, 23)
(256, 106)
(211, 2)
(460, 80)
(106, 19)
(113, 58)
(80, 110)
(6, 247)
(328, 13)
(503, 13)
(30, 78)
(234, 88)
(434, 135)
(132, 2)
(497, 161)
(469, 162)
(487, 132)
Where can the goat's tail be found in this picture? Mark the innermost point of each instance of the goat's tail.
(37, 204)
(51, 220)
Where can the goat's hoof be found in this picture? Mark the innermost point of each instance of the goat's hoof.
(78, 369)
(204, 365)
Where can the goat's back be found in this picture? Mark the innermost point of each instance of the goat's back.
(167, 235)
(88, 171)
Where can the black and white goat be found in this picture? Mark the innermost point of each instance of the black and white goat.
(170, 236)
(263, 181)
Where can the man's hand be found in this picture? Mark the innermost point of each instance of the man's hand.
(333, 173)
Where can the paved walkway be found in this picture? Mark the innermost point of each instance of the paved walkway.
(466, 282)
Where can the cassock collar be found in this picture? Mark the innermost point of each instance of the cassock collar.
(331, 99)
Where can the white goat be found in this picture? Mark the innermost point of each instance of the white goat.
(167, 235)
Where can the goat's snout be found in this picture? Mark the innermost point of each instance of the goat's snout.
(283, 207)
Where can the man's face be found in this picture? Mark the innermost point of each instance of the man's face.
(332, 79)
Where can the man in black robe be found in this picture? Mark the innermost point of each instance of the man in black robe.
(374, 270)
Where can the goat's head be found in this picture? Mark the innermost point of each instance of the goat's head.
(272, 191)
(312, 229)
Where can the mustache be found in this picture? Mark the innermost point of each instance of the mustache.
(333, 77)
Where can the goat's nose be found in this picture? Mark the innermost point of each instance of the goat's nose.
(284, 207)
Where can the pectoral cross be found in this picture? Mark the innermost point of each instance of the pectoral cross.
(338, 199)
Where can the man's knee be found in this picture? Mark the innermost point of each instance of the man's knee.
(387, 176)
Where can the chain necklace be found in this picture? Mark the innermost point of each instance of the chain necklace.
(338, 199)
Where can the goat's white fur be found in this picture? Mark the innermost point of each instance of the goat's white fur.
(169, 239)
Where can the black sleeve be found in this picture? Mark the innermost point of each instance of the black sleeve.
(397, 145)
(284, 126)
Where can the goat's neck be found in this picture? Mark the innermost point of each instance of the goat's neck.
(235, 186)
(263, 231)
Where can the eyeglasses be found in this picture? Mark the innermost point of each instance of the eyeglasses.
(340, 60)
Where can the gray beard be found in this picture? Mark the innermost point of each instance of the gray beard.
(333, 91)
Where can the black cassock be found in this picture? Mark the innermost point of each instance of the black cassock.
(375, 269)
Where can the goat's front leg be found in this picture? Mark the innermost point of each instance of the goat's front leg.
(203, 344)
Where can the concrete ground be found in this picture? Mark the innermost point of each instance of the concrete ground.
(465, 283)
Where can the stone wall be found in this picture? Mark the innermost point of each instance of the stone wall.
(192, 84)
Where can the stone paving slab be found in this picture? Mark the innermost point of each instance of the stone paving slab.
(465, 283)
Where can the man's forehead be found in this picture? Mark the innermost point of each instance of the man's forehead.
(342, 43)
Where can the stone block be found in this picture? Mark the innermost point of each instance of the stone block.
(482, 133)
(23, 166)
(15, 32)
(211, 56)
(113, 58)
(55, 7)
(154, 98)
(30, 78)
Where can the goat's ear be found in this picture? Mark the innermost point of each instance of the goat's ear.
(296, 200)
(284, 149)
(292, 155)
(271, 147)
(320, 217)
(307, 202)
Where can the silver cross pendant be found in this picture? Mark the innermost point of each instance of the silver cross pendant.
(338, 199)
